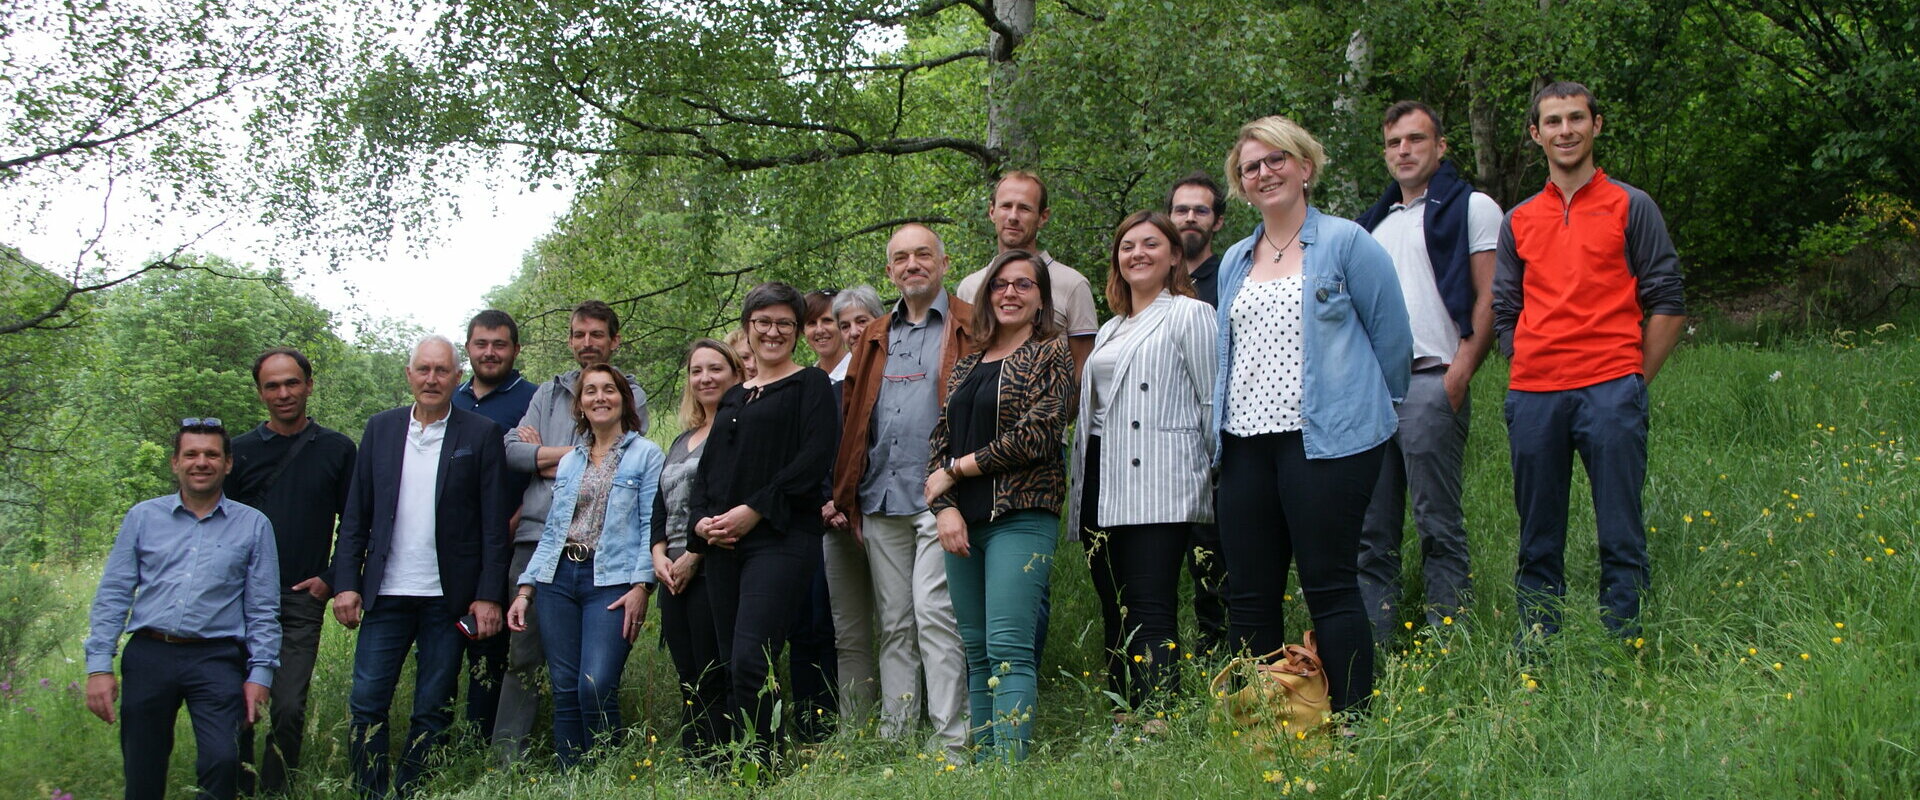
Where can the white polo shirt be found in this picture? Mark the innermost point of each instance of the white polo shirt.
(1403, 232)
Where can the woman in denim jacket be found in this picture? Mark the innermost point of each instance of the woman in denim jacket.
(592, 568)
(1315, 350)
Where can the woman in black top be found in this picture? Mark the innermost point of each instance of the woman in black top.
(756, 503)
(995, 484)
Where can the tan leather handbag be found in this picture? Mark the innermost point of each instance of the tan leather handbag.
(1283, 700)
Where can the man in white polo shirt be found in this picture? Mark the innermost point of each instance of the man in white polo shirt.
(1442, 235)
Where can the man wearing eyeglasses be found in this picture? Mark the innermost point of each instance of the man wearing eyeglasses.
(1018, 210)
(297, 473)
(422, 560)
(893, 394)
(1198, 209)
(1441, 235)
(546, 433)
(195, 577)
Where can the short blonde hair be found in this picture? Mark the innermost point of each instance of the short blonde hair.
(1279, 133)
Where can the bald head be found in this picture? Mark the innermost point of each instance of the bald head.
(916, 263)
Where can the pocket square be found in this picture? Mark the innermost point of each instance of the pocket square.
(463, 452)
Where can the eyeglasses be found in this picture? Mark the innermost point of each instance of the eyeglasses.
(1273, 161)
(201, 422)
(1023, 284)
(825, 292)
(765, 325)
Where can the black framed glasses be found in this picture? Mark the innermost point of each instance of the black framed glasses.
(1273, 161)
(765, 325)
(201, 422)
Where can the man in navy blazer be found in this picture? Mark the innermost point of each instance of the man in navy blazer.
(423, 541)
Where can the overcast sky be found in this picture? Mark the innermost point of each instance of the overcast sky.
(437, 285)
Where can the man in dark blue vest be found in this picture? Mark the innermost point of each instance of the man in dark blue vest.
(1442, 235)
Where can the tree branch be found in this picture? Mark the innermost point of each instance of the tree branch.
(978, 52)
(833, 240)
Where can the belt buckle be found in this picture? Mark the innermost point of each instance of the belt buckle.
(577, 553)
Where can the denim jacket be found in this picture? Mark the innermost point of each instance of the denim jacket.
(1357, 345)
(623, 556)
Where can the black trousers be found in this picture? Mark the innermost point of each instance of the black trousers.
(1208, 569)
(1277, 506)
(754, 588)
(1136, 573)
(812, 661)
(686, 626)
(156, 678)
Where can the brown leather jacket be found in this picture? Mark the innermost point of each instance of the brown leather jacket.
(862, 390)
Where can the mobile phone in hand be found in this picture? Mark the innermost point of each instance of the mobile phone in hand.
(469, 626)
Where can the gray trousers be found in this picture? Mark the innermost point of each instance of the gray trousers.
(1425, 460)
(525, 682)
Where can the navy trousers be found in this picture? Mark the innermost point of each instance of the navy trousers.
(159, 676)
(1607, 425)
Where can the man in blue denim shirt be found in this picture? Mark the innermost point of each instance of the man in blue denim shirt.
(195, 577)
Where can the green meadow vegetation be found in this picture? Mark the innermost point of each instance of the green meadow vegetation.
(1780, 658)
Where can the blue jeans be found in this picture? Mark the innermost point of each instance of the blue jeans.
(389, 629)
(997, 593)
(586, 653)
(1607, 425)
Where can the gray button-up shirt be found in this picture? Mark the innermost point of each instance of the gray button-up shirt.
(904, 414)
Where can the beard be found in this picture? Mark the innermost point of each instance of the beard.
(1193, 242)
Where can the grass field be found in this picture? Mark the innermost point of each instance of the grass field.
(1781, 653)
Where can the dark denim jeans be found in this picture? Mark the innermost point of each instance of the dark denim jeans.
(1607, 425)
(389, 630)
(586, 654)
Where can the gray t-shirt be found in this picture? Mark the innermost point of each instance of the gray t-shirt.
(904, 414)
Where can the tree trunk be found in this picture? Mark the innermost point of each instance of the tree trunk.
(1006, 131)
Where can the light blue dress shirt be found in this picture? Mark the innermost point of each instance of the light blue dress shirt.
(211, 578)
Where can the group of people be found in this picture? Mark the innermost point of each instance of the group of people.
(889, 515)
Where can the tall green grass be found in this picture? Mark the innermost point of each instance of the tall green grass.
(1779, 657)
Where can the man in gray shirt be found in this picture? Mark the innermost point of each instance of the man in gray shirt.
(544, 435)
(892, 397)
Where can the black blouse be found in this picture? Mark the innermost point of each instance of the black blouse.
(771, 449)
(973, 416)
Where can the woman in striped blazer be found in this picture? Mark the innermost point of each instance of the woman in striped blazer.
(1141, 454)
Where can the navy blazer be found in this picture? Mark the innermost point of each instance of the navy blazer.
(470, 520)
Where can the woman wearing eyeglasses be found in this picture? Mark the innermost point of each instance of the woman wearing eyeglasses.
(1314, 351)
(592, 568)
(1141, 455)
(756, 504)
(686, 611)
(995, 487)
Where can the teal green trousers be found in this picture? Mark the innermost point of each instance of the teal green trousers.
(997, 594)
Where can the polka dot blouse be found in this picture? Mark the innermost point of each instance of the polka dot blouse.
(1263, 388)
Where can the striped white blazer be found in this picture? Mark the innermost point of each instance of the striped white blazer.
(1155, 453)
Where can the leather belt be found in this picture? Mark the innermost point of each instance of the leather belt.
(150, 633)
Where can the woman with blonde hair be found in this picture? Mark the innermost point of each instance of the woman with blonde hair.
(1314, 351)
(686, 614)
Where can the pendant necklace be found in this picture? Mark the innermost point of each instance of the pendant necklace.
(1282, 249)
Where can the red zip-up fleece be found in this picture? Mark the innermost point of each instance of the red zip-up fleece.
(1574, 278)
